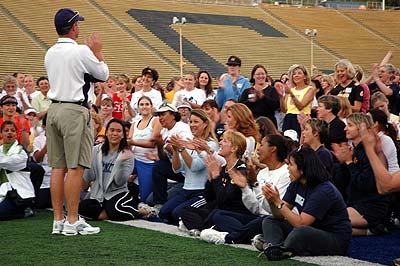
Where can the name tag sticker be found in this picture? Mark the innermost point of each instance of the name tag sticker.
(239, 86)
(299, 200)
(348, 90)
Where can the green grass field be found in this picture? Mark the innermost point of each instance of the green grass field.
(29, 242)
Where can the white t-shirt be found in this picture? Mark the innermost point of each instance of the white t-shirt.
(153, 94)
(180, 129)
(38, 144)
(196, 96)
(390, 152)
(254, 199)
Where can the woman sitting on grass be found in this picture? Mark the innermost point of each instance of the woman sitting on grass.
(238, 227)
(15, 185)
(112, 165)
(220, 192)
(322, 226)
(367, 208)
(187, 159)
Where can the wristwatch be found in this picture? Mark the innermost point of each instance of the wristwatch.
(181, 149)
(280, 205)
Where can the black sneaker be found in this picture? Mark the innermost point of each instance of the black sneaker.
(278, 253)
(379, 229)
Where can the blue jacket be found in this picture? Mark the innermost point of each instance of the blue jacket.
(231, 91)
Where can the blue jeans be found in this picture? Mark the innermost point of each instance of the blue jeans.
(144, 171)
(171, 210)
(240, 227)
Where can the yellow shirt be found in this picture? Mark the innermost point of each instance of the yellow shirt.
(299, 94)
(170, 96)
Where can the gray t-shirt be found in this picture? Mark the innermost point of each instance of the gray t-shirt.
(108, 165)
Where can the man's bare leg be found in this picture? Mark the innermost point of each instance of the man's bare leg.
(72, 189)
(57, 192)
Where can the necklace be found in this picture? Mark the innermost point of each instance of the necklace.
(228, 169)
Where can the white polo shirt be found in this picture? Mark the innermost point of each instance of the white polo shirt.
(72, 70)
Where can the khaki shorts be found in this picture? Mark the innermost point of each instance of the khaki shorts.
(69, 136)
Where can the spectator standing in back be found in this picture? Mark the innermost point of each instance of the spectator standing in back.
(231, 85)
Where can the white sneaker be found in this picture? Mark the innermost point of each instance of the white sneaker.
(258, 242)
(79, 227)
(194, 232)
(213, 236)
(152, 212)
(58, 226)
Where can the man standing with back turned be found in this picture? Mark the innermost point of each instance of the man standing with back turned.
(72, 69)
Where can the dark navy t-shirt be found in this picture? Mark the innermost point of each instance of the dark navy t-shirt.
(325, 203)
(394, 99)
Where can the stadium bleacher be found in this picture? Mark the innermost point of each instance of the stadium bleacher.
(131, 42)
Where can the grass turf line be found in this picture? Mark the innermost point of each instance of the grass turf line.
(29, 242)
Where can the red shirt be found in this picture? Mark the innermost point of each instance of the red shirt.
(117, 113)
(17, 120)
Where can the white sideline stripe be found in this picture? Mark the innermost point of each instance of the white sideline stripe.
(320, 260)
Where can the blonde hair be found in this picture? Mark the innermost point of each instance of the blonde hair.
(125, 79)
(345, 106)
(345, 63)
(238, 140)
(328, 79)
(10, 80)
(99, 121)
(208, 131)
(245, 122)
(302, 68)
(358, 118)
(378, 96)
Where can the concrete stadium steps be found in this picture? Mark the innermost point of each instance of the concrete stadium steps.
(336, 32)
(276, 53)
(385, 22)
(18, 51)
(129, 45)
(118, 9)
(123, 53)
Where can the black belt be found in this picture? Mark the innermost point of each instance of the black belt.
(84, 104)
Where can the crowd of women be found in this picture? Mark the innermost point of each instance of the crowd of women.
(277, 163)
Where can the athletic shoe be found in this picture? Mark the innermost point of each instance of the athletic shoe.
(258, 242)
(152, 212)
(278, 253)
(29, 212)
(378, 229)
(58, 226)
(79, 227)
(213, 236)
(194, 232)
(396, 262)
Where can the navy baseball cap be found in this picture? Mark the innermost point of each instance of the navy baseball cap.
(66, 17)
(234, 61)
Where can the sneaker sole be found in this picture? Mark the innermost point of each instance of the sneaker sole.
(83, 232)
(277, 253)
(93, 231)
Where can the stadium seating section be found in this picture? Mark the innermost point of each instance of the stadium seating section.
(140, 33)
